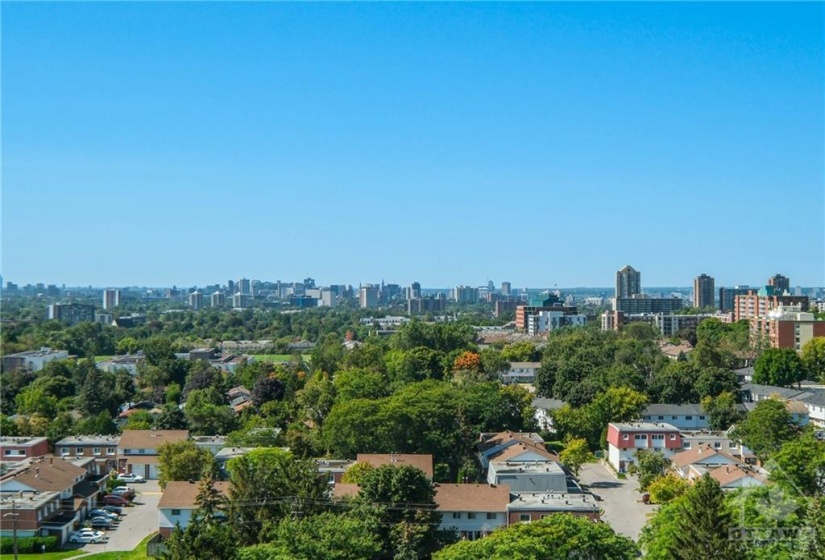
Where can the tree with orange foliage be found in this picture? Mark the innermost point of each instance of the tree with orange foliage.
(467, 361)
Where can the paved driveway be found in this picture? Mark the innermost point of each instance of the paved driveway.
(621, 500)
(140, 521)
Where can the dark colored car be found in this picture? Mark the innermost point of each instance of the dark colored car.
(112, 500)
(100, 523)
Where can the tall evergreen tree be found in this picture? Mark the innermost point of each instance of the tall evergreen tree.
(704, 526)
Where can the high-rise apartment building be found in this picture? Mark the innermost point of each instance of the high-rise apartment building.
(505, 288)
(111, 298)
(244, 286)
(415, 291)
(781, 284)
(759, 303)
(241, 301)
(218, 299)
(368, 296)
(465, 294)
(703, 291)
(628, 282)
(71, 313)
(727, 297)
(196, 300)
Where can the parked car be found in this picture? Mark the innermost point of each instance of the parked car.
(113, 509)
(130, 477)
(104, 513)
(100, 523)
(124, 492)
(87, 536)
(115, 500)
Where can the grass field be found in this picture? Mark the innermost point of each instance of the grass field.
(99, 359)
(272, 357)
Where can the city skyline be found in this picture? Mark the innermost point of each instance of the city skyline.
(403, 141)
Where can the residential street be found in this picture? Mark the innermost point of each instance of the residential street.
(621, 499)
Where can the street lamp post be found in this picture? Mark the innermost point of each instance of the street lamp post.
(14, 517)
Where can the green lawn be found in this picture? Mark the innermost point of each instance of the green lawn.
(272, 357)
(99, 359)
(48, 556)
(139, 553)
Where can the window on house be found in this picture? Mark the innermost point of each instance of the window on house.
(658, 436)
(624, 436)
(661, 417)
(717, 444)
(175, 512)
(471, 515)
(110, 451)
(8, 451)
(64, 450)
(96, 451)
(79, 451)
(701, 418)
(127, 451)
(524, 517)
(672, 436)
(674, 417)
(688, 417)
(640, 436)
(686, 444)
(456, 515)
(141, 451)
(491, 516)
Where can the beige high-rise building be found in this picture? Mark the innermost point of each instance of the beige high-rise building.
(111, 298)
(703, 291)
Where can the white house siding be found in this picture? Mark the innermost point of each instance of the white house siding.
(463, 524)
(168, 521)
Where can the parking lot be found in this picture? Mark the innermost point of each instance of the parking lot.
(139, 521)
(620, 499)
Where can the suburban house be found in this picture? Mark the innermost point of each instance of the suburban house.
(730, 477)
(138, 450)
(333, 469)
(211, 443)
(419, 461)
(703, 456)
(529, 507)
(543, 409)
(472, 510)
(811, 397)
(520, 372)
(102, 448)
(491, 445)
(63, 482)
(815, 404)
(682, 416)
(718, 440)
(20, 448)
(178, 503)
(624, 439)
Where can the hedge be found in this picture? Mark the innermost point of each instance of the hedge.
(27, 545)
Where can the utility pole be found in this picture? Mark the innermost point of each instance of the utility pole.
(14, 517)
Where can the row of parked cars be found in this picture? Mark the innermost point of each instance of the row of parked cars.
(109, 515)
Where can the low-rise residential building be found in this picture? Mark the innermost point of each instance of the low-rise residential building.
(138, 450)
(21, 448)
(102, 448)
(528, 476)
(688, 416)
(126, 362)
(521, 372)
(731, 477)
(786, 327)
(529, 507)
(543, 412)
(704, 456)
(333, 469)
(35, 511)
(491, 445)
(34, 360)
(178, 503)
(718, 440)
(423, 462)
(472, 510)
(624, 439)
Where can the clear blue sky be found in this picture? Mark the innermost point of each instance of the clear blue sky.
(544, 144)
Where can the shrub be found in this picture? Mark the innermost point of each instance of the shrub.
(27, 545)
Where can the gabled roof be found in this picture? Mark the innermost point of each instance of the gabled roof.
(513, 451)
(48, 475)
(472, 497)
(181, 494)
(488, 441)
(770, 390)
(731, 473)
(700, 453)
(419, 461)
(150, 439)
